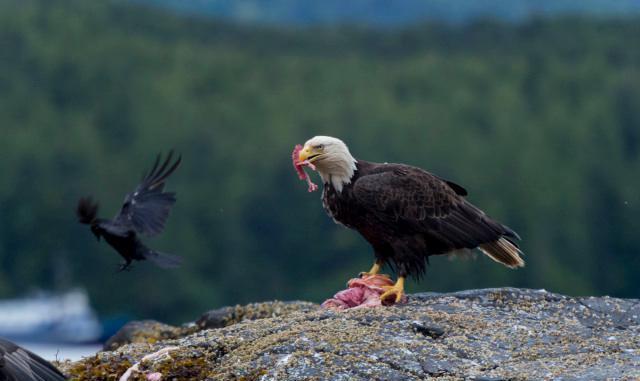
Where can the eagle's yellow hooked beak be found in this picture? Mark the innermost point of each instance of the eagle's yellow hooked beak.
(308, 153)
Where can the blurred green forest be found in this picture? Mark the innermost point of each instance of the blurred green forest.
(539, 121)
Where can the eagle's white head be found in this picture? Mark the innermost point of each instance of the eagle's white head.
(331, 158)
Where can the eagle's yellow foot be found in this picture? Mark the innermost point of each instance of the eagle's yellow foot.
(394, 293)
(375, 269)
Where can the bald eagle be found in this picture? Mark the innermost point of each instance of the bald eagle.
(406, 213)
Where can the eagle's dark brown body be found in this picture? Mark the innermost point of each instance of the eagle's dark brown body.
(408, 214)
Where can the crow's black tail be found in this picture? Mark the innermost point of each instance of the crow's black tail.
(87, 210)
(166, 261)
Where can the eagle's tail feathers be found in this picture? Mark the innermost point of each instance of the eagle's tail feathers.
(503, 251)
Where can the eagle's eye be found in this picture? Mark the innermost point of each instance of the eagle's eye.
(319, 146)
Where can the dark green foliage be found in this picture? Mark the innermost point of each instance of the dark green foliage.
(539, 122)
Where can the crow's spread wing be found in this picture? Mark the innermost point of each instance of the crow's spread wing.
(19, 364)
(146, 209)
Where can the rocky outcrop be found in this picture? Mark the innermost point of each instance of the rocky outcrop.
(492, 334)
(150, 331)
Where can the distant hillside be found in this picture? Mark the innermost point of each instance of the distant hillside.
(393, 13)
(538, 121)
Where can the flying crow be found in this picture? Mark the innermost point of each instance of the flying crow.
(144, 211)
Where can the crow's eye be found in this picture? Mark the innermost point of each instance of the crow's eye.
(319, 146)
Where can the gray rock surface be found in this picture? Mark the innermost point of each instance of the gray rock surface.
(491, 334)
(151, 331)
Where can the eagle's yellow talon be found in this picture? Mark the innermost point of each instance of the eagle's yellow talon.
(397, 290)
(375, 269)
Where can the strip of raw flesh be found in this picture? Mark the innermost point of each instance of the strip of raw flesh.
(299, 167)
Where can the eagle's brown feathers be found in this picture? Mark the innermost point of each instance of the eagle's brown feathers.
(408, 214)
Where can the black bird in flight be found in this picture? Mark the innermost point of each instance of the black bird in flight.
(19, 364)
(144, 211)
